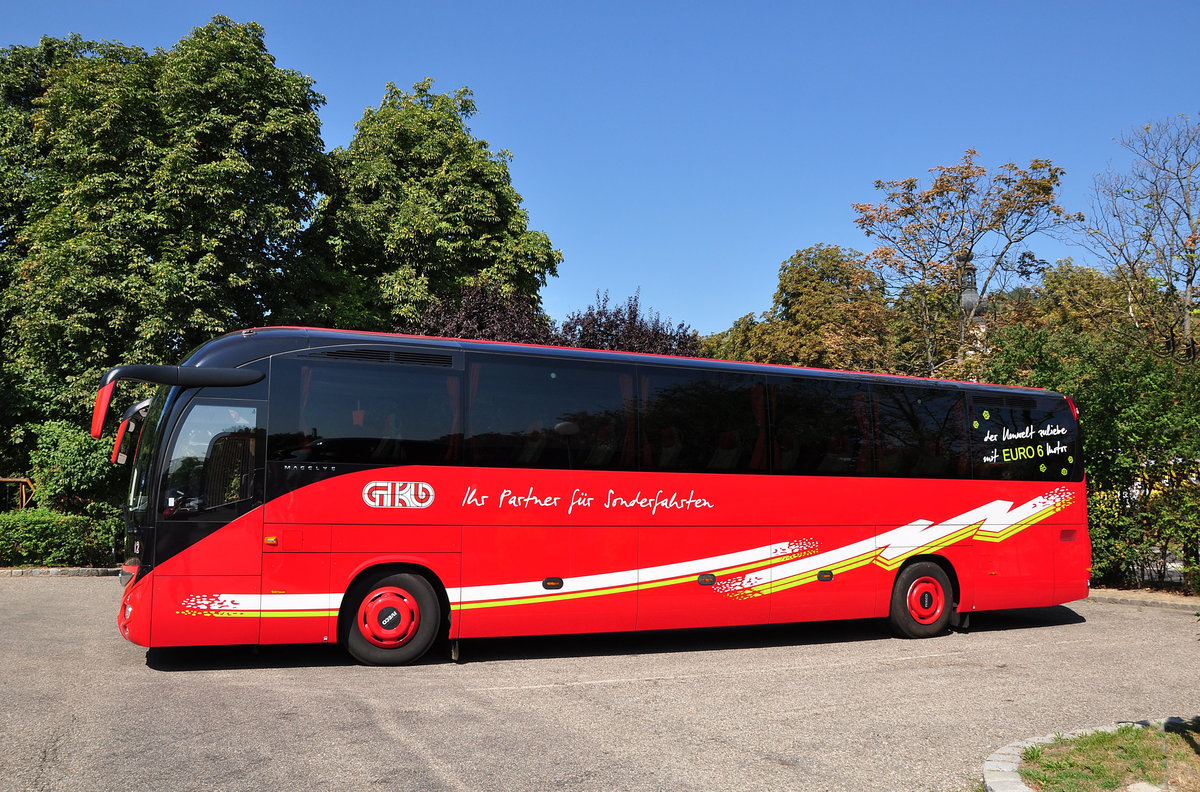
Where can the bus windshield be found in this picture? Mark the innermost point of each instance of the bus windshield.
(138, 503)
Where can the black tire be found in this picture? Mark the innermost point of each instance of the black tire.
(922, 601)
(394, 622)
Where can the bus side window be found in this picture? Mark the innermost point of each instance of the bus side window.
(214, 463)
(1024, 438)
(820, 427)
(549, 413)
(363, 413)
(703, 421)
(920, 432)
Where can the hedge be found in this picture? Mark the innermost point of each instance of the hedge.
(41, 537)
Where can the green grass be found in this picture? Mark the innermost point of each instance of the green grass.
(1113, 760)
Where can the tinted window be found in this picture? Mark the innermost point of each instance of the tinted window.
(363, 413)
(1024, 438)
(920, 432)
(703, 421)
(820, 427)
(213, 472)
(549, 413)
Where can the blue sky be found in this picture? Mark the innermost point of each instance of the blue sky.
(688, 148)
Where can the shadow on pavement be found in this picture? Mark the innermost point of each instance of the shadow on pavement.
(672, 641)
(678, 641)
(208, 658)
(211, 658)
(1025, 618)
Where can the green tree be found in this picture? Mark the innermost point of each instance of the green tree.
(71, 472)
(1141, 431)
(830, 311)
(238, 179)
(418, 210)
(159, 201)
(23, 72)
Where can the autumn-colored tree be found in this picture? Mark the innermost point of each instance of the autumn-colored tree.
(830, 311)
(967, 227)
(1145, 226)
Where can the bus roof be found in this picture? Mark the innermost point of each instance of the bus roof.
(245, 346)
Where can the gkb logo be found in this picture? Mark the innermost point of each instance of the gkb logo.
(398, 495)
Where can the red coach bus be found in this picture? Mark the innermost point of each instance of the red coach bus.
(298, 485)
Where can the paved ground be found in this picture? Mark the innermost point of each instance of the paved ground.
(839, 706)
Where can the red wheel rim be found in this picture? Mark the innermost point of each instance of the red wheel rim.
(926, 600)
(389, 617)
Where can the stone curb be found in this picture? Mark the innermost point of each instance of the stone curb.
(1149, 603)
(60, 572)
(1000, 771)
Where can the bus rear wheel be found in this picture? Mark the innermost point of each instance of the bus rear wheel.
(395, 622)
(921, 601)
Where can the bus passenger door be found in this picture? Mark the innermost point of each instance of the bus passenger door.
(209, 526)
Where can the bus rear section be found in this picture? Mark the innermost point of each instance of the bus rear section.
(305, 486)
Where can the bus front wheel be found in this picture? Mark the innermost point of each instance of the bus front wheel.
(395, 622)
(921, 601)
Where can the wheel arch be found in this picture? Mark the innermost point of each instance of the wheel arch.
(364, 577)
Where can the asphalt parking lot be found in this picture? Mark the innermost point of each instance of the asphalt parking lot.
(837, 706)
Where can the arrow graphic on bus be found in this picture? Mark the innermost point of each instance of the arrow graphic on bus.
(992, 522)
(781, 566)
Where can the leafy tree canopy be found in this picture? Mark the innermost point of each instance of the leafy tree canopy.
(628, 328)
(830, 311)
(162, 197)
(1141, 429)
(486, 314)
(152, 200)
(420, 209)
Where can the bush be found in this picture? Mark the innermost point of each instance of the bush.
(73, 476)
(1113, 552)
(42, 537)
(71, 471)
